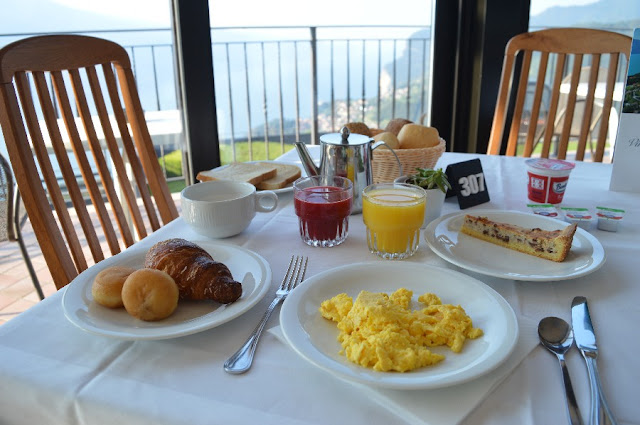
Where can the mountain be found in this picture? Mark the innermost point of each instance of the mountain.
(603, 11)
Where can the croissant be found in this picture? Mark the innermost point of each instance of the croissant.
(197, 274)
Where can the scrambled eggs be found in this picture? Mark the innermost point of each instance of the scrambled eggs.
(381, 331)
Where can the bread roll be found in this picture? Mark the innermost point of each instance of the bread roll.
(396, 124)
(375, 131)
(150, 294)
(359, 128)
(389, 138)
(415, 136)
(107, 286)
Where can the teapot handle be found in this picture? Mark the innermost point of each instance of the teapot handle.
(380, 143)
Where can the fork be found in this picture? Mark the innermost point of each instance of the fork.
(241, 361)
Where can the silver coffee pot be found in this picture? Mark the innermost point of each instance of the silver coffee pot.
(346, 155)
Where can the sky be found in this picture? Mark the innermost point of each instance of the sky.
(225, 13)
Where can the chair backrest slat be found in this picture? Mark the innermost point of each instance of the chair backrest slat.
(85, 169)
(537, 103)
(101, 165)
(42, 154)
(563, 143)
(129, 149)
(142, 139)
(61, 265)
(519, 107)
(117, 162)
(71, 137)
(587, 117)
(606, 108)
(573, 113)
(500, 115)
(553, 105)
(67, 172)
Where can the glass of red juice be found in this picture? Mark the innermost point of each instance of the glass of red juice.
(323, 205)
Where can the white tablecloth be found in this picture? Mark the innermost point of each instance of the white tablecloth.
(52, 372)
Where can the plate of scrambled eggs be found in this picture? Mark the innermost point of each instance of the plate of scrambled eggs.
(399, 325)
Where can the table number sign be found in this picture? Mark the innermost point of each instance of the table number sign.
(467, 183)
(626, 154)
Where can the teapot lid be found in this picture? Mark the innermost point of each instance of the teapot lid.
(345, 137)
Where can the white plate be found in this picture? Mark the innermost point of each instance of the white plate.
(315, 338)
(442, 235)
(190, 316)
(282, 190)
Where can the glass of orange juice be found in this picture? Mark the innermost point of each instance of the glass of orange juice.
(393, 214)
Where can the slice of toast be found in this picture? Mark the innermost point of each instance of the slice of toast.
(250, 172)
(287, 174)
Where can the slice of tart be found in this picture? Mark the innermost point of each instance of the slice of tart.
(549, 244)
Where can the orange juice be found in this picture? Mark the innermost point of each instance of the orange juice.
(393, 214)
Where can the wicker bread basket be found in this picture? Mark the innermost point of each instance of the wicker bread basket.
(385, 166)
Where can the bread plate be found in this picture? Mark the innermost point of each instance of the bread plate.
(315, 338)
(444, 237)
(286, 189)
(190, 317)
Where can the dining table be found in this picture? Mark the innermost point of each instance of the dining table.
(55, 371)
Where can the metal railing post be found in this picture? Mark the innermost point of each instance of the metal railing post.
(248, 89)
(265, 109)
(364, 70)
(155, 77)
(348, 63)
(379, 79)
(395, 79)
(280, 101)
(230, 94)
(296, 90)
(314, 86)
(409, 52)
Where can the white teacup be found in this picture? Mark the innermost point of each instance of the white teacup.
(219, 209)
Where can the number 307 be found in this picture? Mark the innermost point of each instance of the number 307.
(471, 184)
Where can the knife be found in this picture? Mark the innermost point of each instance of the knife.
(586, 343)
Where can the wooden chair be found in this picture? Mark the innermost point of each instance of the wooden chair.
(566, 51)
(91, 79)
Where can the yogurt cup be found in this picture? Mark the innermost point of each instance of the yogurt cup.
(580, 216)
(609, 218)
(546, 210)
(547, 179)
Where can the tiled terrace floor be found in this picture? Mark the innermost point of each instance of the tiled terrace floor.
(17, 292)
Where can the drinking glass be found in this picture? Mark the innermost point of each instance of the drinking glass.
(323, 205)
(393, 214)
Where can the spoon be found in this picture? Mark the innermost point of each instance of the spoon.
(556, 335)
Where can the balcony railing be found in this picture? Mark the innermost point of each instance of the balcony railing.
(291, 84)
(276, 84)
